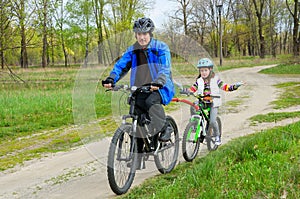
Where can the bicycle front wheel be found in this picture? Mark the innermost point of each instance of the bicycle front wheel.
(167, 154)
(190, 141)
(121, 163)
(211, 136)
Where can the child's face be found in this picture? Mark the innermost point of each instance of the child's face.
(204, 72)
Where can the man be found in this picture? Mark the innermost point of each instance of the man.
(150, 62)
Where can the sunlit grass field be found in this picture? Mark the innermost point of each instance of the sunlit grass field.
(263, 165)
(35, 112)
(42, 102)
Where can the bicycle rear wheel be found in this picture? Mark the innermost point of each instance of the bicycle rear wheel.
(121, 163)
(167, 155)
(190, 141)
(211, 136)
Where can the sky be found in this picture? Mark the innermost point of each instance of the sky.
(161, 10)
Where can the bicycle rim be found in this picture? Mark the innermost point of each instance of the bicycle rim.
(167, 155)
(121, 163)
(190, 141)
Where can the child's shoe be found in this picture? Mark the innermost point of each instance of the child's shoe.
(218, 141)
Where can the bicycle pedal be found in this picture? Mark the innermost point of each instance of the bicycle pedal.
(201, 138)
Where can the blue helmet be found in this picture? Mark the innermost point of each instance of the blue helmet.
(205, 63)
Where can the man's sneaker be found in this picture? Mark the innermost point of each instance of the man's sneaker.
(218, 141)
(166, 134)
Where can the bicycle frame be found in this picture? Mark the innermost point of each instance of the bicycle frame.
(132, 115)
(134, 122)
(202, 114)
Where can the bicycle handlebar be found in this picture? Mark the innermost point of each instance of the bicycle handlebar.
(188, 93)
(143, 88)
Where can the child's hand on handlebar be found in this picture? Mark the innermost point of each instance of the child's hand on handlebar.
(238, 84)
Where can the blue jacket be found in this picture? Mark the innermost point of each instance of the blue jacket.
(159, 61)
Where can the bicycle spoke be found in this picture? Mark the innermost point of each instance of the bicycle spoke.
(166, 156)
(121, 153)
(190, 141)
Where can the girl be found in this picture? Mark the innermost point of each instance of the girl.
(209, 84)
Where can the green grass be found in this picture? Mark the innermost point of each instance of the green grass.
(36, 116)
(287, 68)
(233, 106)
(290, 95)
(44, 102)
(189, 69)
(263, 165)
(274, 117)
(239, 62)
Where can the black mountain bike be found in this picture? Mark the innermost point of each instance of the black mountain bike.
(123, 154)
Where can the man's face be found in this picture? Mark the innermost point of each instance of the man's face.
(143, 38)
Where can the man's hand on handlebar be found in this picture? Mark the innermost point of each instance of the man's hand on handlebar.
(154, 88)
(108, 83)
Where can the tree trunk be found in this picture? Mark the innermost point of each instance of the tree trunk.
(24, 57)
(295, 30)
(64, 50)
(98, 11)
(271, 27)
(258, 11)
(2, 45)
(45, 44)
(86, 42)
(1, 55)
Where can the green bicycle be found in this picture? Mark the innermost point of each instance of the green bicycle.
(198, 129)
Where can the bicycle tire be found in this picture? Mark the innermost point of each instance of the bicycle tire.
(190, 147)
(166, 158)
(211, 136)
(121, 163)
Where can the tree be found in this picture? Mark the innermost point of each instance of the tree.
(294, 14)
(81, 17)
(5, 20)
(259, 7)
(98, 8)
(42, 7)
(22, 12)
(183, 13)
(122, 14)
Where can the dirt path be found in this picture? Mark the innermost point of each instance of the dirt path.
(81, 173)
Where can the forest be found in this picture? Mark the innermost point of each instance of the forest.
(47, 33)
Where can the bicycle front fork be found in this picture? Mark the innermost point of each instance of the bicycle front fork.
(200, 126)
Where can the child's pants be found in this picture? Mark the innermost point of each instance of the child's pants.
(213, 120)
